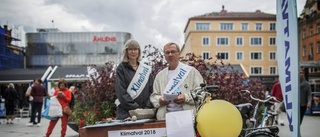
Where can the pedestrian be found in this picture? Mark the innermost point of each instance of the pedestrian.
(305, 95)
(177, 79)
(277, 92)
(27, 94)
(133, 82)
(63, 95)
(10, 95)
(38, 92)
(71, 103)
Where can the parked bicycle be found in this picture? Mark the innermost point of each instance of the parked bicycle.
(265, 128)
(202, 95)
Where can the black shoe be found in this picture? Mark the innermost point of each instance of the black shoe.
(282, 124)
(276, 122)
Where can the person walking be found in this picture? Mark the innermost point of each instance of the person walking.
(63, 95)
(10, 95)
(305, 95)
(27, 94)
(38, 91)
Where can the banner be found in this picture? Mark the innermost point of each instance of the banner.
(288, 60)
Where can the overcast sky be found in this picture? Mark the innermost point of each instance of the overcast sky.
(154, 22)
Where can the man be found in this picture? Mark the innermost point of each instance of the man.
(177, 80)
(305, 95)
(277, 92)
(38, 91)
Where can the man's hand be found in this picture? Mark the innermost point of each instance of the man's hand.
(180, 99)
(163, 102)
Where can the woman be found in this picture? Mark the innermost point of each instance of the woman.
(10, 95)
(64, 96)
(133, 81)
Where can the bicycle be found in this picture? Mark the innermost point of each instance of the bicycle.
(202, 94)
(266, 128)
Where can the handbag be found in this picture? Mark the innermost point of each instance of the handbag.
(55, 108)
(67, 110)
(45, 113)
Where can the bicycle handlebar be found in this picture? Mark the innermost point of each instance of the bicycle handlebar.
(261, 100)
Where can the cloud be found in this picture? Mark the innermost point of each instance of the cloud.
(154, 22)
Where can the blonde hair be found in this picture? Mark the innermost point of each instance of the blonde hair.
(130, 44)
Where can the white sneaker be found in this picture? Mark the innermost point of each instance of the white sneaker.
(30, 124)
(38, 125)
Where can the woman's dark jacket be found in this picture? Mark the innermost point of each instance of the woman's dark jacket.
(124, 75)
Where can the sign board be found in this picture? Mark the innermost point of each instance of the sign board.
(147, 132)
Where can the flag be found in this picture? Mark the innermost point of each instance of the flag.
(288, 61)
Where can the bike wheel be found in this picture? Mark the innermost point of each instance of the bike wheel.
(261, 134)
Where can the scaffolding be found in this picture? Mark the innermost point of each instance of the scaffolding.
(11, 56)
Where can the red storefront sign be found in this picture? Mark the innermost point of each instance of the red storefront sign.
(104, 39)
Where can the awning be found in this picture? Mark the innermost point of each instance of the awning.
(23, 75)
(69, 73)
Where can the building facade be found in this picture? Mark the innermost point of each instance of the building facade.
(51, 47)
(11, 56)
(247, 38)
(309, 42)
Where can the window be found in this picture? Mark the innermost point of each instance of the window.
(311, 30)
(272, 26)
(272, 41)
(272, 70)
(202, 26)
(318, 47)
(304, 34)
(258, 26)
(256, 56)
(239, 55)
(205, 41)
(206, 55)
(222, 41)
(226, 26)
(244, 26)
(256, 70)
(272, 56)
(318, 28)
(311, 49)
(304, 50)
(239, 41)
(256, 41)
(223, 55)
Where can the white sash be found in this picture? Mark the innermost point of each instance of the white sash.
(179, 75)
(138, 82)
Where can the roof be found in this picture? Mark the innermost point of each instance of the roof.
(69, 73)
(21, 75)
(224, 15)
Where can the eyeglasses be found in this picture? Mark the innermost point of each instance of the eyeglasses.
(172, 52)
(132, 49)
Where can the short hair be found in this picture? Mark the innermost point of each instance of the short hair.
(11, 85)
(39, 80)
(171, 43)
(130, 44)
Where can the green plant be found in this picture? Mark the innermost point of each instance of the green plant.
(94, 98)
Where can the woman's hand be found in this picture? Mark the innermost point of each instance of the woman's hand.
(60, 94)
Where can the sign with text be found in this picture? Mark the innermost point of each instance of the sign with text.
(104, 39)
(148, 132)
